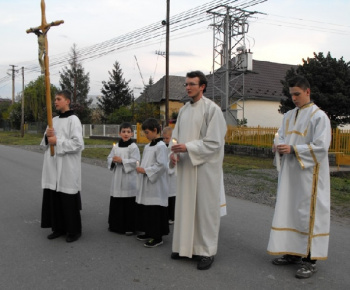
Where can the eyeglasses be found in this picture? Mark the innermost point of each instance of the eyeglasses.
(190, 84)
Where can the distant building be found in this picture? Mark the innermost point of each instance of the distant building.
(156, 95)
(256, 95)
(5, 100)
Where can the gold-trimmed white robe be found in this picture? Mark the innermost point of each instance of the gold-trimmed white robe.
(302, 214)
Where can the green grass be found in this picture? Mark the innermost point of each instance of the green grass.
(242, 163)
(14, 138)
(96, 153)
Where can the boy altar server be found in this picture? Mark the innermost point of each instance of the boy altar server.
(61, 175)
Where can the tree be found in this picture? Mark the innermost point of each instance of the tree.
(145, 91)
(35, 99)
(115, 93)
(74, 79)
(4, 106)
(15, 115)
(330, 86)
(123, 114)
(145, 110)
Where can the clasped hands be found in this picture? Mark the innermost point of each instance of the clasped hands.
(281, 148)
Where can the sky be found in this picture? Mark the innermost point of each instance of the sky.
(284, 31)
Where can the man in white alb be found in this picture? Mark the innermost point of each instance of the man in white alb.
(198, 154)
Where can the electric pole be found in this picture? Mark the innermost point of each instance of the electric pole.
(22, 119)
(13, 82)
(167, 64)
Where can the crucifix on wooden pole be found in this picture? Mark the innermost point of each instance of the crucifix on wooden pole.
(41, 32)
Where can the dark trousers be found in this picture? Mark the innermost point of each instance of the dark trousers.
(61, 212)
(153, 220)
(171, 207)
(122, 214)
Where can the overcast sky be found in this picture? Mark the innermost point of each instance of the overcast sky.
(288, 31)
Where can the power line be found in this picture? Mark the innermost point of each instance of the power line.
(154, 31)
(151, 34)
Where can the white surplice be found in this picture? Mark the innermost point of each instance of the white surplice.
(124, 180)
(202, 127)
(302, 214)
(62, 172)
(153, 188)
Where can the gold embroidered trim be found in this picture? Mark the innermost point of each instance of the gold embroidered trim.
(321, 235)
(290, 230)
(313, 205)
(299, 232)
(315, 112)
(296, 254)
(298, 157)
(297, 132)
(307, 106)
(312, 153)
(294, 132)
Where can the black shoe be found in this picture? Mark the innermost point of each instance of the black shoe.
(54, 235)
(205, 263)
(286, 260)
(152, 243)
(175, 256)
(72, 237)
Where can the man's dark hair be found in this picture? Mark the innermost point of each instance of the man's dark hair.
(201, 76)
(126, 125)
(298, 81)
(151, 124)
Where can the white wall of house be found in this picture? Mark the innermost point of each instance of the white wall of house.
(260, 113)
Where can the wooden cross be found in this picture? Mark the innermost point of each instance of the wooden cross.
(41, 32)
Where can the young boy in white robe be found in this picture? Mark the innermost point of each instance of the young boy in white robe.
(301, 222)
(166, 134)
(61, 175)
(153, 187)
(122, 162)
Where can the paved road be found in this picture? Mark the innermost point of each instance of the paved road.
(103, 260)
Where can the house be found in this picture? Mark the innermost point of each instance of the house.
(156, 94)
(254, 95)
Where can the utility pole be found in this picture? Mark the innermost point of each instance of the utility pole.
(167, 63)
(13, 82)
(230, 26)
(22, 119)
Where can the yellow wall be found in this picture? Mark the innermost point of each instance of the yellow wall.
(173, 107)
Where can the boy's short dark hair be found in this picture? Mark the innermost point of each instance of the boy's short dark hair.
(126, 125)
(298, 81)
(66, 94)
(151, 124)
(201, 76)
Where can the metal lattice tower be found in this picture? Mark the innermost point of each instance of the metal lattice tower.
(231, 59)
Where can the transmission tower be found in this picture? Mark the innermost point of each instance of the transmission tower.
(231, 59)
